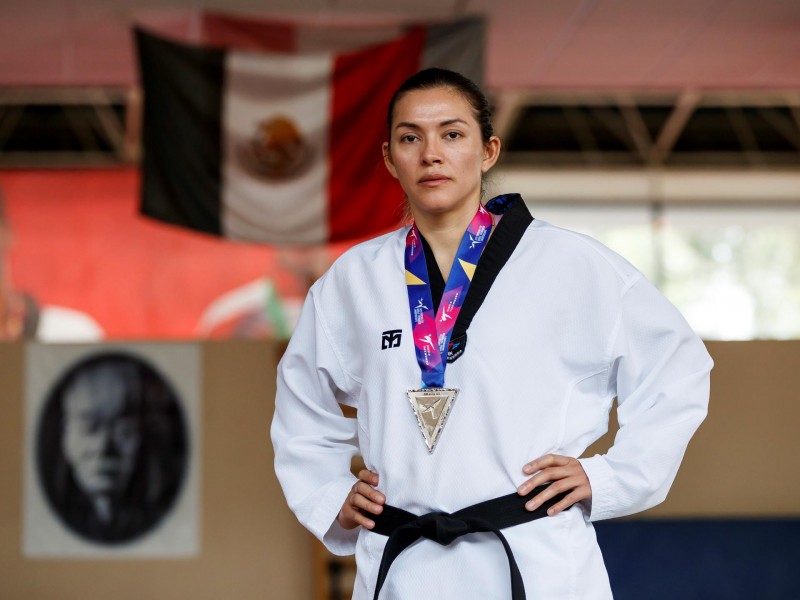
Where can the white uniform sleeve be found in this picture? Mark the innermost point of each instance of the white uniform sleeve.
(313, 441)
(659, 371)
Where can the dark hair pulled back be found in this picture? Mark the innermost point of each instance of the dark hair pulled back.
(433, 78)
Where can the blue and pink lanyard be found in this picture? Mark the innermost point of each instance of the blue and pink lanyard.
(432, 332)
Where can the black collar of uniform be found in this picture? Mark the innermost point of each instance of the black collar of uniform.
(501, 245)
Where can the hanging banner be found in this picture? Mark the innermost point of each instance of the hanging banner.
(279, 142)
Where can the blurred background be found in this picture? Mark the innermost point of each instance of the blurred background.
(668, 130)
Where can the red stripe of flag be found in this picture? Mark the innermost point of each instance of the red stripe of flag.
(360, 189)
(248, 34)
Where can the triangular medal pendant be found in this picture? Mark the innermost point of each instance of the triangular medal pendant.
(432, 405)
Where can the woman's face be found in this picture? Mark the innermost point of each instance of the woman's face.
(436, 152)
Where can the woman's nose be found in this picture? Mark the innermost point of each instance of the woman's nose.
(431, 152)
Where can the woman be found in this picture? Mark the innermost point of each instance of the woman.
(538, 328)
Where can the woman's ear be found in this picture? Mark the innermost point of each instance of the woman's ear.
(491, 152)
(387, 159)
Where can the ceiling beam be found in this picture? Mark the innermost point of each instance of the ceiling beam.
(508, 106)
(638, 130)
(9, 117)
(744, 133)
(582, 132)
(676, 122)
(645, 186)
(784, 125)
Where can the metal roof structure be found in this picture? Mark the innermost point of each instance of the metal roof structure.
(623, 85)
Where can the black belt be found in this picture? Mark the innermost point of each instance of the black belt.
(404, 528)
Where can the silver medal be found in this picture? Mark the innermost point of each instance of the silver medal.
(432, 405)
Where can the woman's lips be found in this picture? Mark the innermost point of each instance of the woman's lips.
(433, 180)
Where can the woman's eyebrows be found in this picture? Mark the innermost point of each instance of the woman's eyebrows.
(445, 123)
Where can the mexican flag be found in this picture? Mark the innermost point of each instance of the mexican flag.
(271, 132)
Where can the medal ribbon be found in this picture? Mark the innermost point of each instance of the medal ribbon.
(432, 332)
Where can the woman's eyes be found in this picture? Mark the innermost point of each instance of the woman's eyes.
(450, 135)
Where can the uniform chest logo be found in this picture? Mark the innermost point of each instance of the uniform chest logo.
(391, 339)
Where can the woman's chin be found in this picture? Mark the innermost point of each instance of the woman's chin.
(439, 206)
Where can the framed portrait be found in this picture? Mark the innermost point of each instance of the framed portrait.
(112, 450)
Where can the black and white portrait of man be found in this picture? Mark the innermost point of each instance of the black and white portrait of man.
(112, 449)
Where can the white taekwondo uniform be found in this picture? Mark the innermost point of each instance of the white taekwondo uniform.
(567, 326)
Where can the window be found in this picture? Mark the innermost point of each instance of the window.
(734, 272)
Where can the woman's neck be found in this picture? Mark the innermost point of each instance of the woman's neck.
(443, 233)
